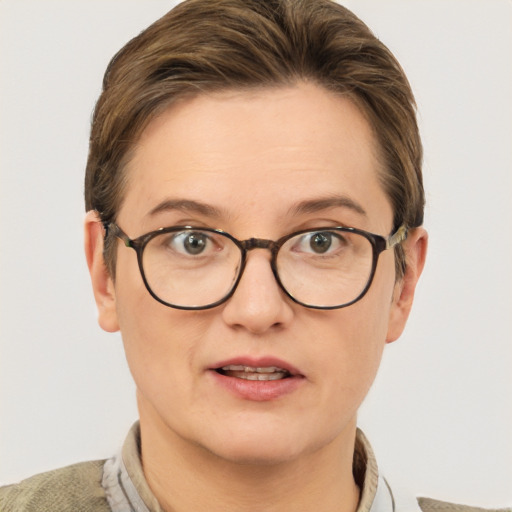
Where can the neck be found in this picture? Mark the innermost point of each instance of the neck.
(184, 477)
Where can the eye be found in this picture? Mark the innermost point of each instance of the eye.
(319, 242)
(190, 243)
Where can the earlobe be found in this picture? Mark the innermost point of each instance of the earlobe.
(415, 250)
(102, 282)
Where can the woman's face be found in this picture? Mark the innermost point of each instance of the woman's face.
(260, 163)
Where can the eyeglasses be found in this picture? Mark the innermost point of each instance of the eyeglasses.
(185, 267)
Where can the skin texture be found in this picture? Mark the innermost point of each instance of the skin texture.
(254, 156)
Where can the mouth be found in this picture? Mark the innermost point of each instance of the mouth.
(260, 373)
(258, 379)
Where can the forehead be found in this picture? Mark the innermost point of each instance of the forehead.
(256, 151)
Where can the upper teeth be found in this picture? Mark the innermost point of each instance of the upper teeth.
(242, 368)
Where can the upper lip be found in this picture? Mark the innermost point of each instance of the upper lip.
(258, 362)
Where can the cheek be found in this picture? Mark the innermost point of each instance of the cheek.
(358, 355)
(361, 330)
(158, 341)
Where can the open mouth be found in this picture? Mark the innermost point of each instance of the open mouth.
(265, 373)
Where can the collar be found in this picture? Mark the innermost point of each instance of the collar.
(127, 490)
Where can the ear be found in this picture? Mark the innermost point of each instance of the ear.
(102, 282)
(415, 248)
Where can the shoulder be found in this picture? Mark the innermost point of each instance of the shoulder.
(430, 505)
(76, 487)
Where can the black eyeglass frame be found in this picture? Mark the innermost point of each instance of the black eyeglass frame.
(379, 244)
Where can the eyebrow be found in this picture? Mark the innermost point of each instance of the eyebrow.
(301, 208)
(324, 203)
(187, 206)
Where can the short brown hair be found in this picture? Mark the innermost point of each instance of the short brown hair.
(211, 45)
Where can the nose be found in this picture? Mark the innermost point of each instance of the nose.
(258, 304)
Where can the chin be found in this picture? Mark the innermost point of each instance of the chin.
(262, 447)
(256, 455)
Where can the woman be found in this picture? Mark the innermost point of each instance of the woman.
(255, 204)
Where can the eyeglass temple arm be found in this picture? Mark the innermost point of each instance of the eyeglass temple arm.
(115, 230)
(397, 237)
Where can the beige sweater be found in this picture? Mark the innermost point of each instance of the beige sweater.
(81, 487)
(78, 488)
(74, 488)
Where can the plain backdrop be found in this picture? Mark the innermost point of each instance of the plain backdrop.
(440, 413)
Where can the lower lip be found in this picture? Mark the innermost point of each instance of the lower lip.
(258, 390)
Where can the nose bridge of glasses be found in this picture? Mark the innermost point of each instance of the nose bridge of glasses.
(258, 243)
